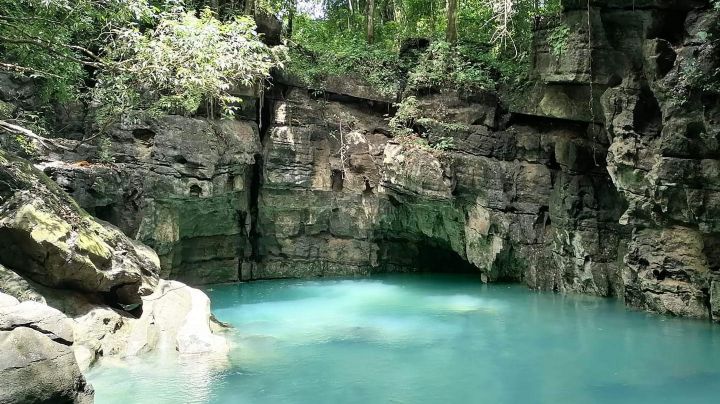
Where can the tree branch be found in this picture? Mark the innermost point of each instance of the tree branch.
(24, 69)
(50, 47)
(8, 127)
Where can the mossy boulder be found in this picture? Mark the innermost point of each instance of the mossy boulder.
(50, 240)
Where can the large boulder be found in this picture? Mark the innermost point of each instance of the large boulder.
(37, 364)
(55, 253)
(50, 240)
(175, 319)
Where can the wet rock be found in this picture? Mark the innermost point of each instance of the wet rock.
(37, 364)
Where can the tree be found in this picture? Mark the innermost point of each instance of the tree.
(292, 9)
(57, 41)
(451, 34)
(370, 21)
(185, 61)
(96, 51)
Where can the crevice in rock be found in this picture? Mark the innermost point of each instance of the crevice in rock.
(647, 114)
(375, 106)
(669, 25)
(144, 135)
(35, 327)
(336, 179)
(195, 190)
(264, 119)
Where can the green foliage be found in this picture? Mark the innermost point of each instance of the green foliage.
(54, 39)
(690, 81)
(694, 78)
(187, 60)
(326, 52)
(445, 66)
(443, 143)
(336, 45)
(104, 150)
(6, 110)
(407, 113)
(558, 40)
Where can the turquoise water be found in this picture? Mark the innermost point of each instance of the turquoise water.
(427, 339)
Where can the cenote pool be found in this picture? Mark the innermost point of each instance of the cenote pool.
(427, 339)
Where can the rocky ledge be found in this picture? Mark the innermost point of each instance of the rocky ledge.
(75, 289)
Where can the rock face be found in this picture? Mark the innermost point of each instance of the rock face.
(49, 240)
(36, 356)
(179, 185)
(662, 119)
(55, 254)
(524, 203)
(600, 176)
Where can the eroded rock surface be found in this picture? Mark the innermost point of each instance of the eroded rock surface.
(600, 176)
(37, 364)
(55, 254)
(179, 185)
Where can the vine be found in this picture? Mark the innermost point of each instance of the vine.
(592, 95)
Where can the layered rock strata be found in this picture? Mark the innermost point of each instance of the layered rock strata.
(599, 176)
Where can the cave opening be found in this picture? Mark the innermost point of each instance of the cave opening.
(106, 213)
(146, 136)
(423, 255)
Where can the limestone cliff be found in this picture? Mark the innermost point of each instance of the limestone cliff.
(599, 176)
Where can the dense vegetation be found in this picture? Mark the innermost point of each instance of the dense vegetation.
(190, 56)
(120, 55)
(474, 43)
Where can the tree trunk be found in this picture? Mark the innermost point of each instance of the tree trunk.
(249, 7)
(370, 22)
(451, 34)
(291, 16)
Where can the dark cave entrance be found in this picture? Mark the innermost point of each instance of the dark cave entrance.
(424, 255)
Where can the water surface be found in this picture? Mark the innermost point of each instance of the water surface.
(427, 339)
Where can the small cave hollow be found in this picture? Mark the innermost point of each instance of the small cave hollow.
(105, 213)
(647, 114)
(368, 187)
(195, 190)
(425, 256)
(439, 258)
(143, 135)
(660, 274)
(337, 180)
